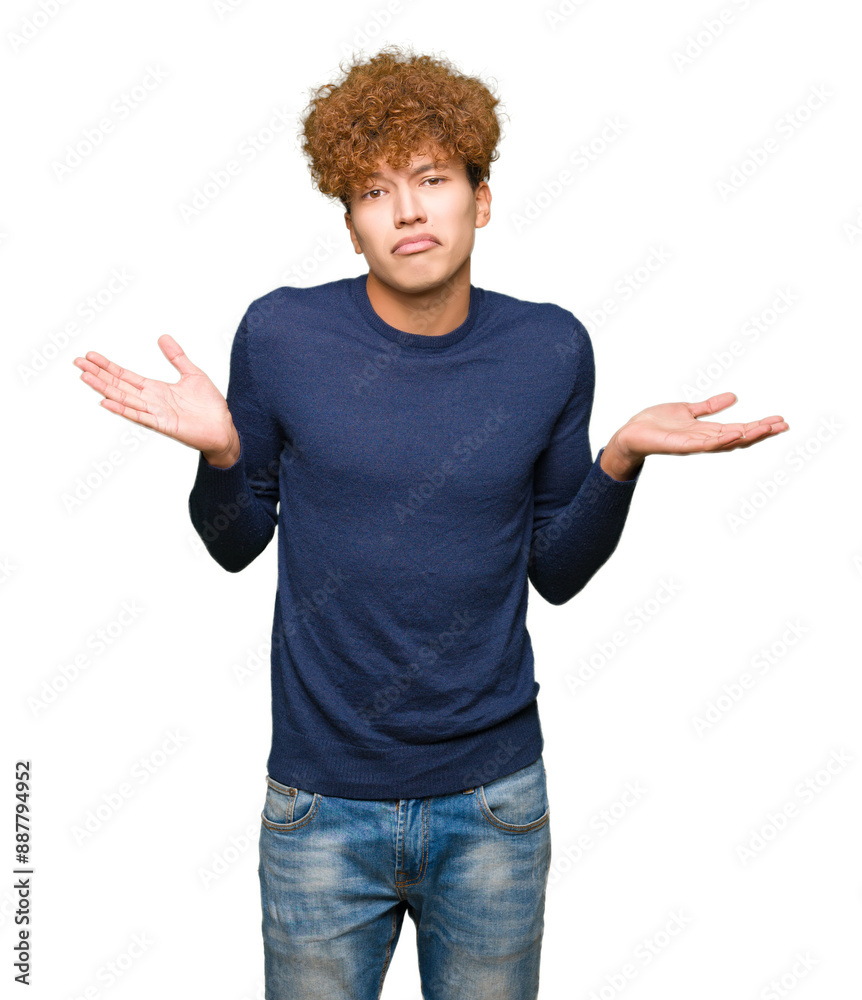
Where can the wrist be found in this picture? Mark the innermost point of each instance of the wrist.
(224, 458)
(620, 462)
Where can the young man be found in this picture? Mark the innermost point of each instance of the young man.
(422, 447)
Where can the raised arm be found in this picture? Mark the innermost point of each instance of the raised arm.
(581, 505)
(579, 509)
(233, 507)
(234, 501)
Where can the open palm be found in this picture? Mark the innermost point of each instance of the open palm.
(192, 410)
(674, 429)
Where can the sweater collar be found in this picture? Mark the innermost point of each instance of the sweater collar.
(359, 292)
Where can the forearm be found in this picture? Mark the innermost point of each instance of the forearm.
(580, 503)
(234, 523)
(571, 547)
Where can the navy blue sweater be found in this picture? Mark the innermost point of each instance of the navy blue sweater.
(417, 482)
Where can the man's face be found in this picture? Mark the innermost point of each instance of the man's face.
(425, 197)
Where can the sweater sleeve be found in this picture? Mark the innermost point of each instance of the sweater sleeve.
(579, 510)
(234, 510)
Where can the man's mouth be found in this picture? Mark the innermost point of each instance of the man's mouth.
(413, 244)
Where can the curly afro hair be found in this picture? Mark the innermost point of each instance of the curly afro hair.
(394, 106)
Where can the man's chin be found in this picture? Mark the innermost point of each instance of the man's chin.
(414, 280)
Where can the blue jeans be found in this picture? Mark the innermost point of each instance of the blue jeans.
(471, 868)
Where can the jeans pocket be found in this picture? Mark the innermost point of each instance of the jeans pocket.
(288, 808)
(517, 802)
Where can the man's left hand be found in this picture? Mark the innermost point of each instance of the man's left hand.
(674, 429)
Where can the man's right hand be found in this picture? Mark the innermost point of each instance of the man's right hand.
(192, 410)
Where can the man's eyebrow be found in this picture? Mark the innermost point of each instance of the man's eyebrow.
(439, 165)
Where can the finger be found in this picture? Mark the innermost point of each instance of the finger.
(753, 437)
(736, 436)
(174, 353)
(137, 416)
(712, 427)
(754, 424)
(746, 430)
(713, 404)
(775, 419)
(99, 379)
(753, 431)
(723, 439)
(121, 396)
(761, 428)
(769, 430)
(110, 372)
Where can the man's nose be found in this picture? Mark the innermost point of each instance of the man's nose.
(408, 208)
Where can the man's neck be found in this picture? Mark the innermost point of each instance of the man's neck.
(434, 312)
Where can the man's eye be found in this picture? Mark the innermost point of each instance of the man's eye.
(377, 190)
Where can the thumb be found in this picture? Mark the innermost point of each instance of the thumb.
(713, 404)
(174, 353)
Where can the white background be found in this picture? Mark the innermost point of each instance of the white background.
(665, 183)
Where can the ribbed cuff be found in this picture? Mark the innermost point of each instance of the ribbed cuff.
(618, 482)
(214, 485)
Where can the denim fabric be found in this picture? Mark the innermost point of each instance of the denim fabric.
(471, 868)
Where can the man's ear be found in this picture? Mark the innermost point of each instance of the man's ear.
(483, 204)
(348, 221)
